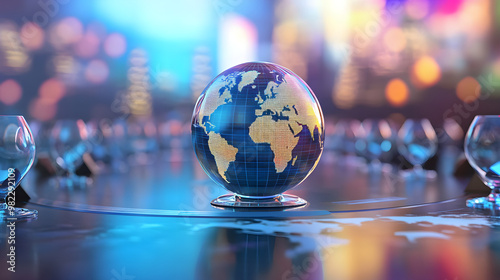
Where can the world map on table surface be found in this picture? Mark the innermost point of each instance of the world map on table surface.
(257, 129)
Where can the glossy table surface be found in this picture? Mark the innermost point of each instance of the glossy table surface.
(155, 221)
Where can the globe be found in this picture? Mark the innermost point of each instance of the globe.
(257, 130)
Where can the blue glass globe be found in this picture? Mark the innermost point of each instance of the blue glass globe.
(257, 130)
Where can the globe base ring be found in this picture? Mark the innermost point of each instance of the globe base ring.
(278, 201)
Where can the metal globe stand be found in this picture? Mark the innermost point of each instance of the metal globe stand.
(278, 201)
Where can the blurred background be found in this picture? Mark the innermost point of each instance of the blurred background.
(108, 59)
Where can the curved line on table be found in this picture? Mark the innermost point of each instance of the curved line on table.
(209, 214)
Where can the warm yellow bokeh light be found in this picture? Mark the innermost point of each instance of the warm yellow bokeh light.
(468, 89)
(395, 39)
(397, 92)
(426, 72)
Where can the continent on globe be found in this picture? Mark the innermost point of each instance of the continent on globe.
(280, 98)
(222, 151)
(258, 129)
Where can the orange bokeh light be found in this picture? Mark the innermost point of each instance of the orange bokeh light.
(468, 89)
(10, 92)
(397, 92)
(426, 72)
(52, 90)
(115, 45)
(32, 36)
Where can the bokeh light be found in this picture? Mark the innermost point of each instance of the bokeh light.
(397, 92)
(417, 9)
(345, 92)
(65, 64)
(115, 45)
(395, 39)
(448, 7)
(468, 89)
(51, 91)
(68, 31)
(42, 109)
(347, 51)
(32, 36)
(88, 46)
(138, 95)
(237, 41)
(10, 92)
(426, 72)
(97, 71)
(13, 55)
(472, 18)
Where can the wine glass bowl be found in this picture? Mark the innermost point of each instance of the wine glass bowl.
(417, 142)
(68, 145)
(482, 149)
(17, 153)
(376, 141)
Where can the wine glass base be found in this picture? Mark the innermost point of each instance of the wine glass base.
(18, 214)
(484, 203)
(412, 174)
(74, 181)
(279, 201)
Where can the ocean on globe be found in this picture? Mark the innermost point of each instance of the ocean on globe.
(257, 130)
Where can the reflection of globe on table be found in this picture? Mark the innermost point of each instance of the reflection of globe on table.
(258, 131)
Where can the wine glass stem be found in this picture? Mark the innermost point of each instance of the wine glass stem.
(418, 170)
(72, 173)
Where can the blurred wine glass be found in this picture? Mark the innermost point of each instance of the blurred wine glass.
(17, 154)
(68, 146)
(417, 142)
(482, 149)
(376, 142)
(98, 148)
(342, 140)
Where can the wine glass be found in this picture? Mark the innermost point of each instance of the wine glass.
(17, 153)
(417, 142)
(377, 140)
(482, 149)
(69, 144)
